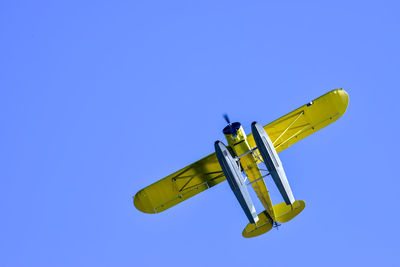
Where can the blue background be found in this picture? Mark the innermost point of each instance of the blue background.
(99, 99)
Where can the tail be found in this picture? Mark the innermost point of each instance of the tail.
(283, 213)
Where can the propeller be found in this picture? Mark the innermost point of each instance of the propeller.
(227, 118)
(232, 130)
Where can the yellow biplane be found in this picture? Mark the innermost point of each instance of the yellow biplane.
(240, 163)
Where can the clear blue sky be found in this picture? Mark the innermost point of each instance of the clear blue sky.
(101, 98)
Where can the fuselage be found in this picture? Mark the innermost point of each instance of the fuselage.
(239, 145)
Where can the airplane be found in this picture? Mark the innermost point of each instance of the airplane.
(248, 160)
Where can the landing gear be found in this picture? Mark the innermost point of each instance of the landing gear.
(235, 179)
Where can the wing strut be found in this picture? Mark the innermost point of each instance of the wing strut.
(287, 128)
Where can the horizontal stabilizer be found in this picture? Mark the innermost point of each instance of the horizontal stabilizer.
(263, 225)
(285, 213)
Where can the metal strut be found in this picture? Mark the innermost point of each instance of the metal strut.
(262, 177)
(304, 128)
(287, 128)
(245, 153)
(294, 135)
(190, 178)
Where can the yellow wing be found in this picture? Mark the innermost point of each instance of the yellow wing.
(305, 120)
(206, 172)
(180, 185)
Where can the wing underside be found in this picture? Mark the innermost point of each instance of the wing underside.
(180, 185)
(207, 172)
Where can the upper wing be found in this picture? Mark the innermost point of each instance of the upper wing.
(206, 172)
(305, 120)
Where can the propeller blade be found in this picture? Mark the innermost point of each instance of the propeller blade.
(227, 118)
